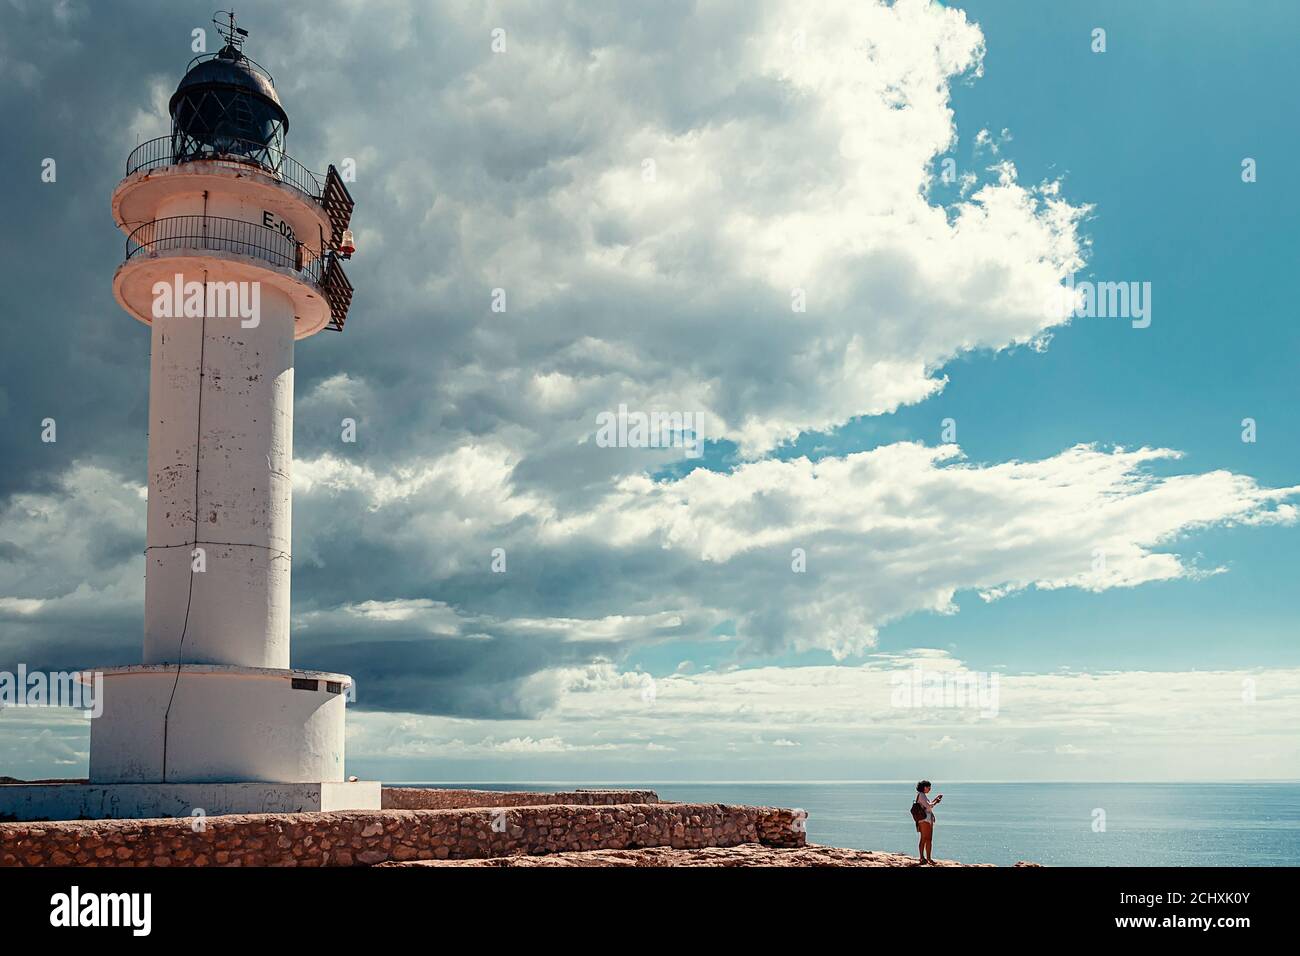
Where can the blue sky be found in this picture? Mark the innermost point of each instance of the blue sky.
(1152, 133)
(779, 165)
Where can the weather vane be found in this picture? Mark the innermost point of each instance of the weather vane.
(234, 35)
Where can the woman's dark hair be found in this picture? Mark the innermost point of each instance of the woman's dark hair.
(922, 785)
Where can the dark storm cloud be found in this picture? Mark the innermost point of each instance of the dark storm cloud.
(480, 677)
(68, 353)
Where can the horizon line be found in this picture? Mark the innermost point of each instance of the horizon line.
(910, 782)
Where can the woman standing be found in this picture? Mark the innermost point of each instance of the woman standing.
(925, 825)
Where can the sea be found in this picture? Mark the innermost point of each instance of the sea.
(1056, 824)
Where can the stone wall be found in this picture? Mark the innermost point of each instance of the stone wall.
(367, 837)
(778, 827)
(419, 798)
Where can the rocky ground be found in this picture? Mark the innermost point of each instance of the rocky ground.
(747, 854)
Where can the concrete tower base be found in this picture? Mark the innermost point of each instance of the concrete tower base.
(133, 801)
(209, 723)
(199, 740)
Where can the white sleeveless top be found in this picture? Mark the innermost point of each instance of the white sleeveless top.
(924, 801)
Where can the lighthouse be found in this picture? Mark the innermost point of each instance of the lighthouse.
(234, 255)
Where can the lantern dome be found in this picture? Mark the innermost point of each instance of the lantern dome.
(226, 105)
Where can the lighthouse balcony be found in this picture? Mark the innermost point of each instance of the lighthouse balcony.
(223, 238)
(328, 192)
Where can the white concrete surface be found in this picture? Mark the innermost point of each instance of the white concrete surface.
(220, 456)
(138, 801)
(235, 190)
(225, 724)
(134, 281)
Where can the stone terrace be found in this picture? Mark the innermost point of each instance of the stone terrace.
(421, 798)
(362, 837)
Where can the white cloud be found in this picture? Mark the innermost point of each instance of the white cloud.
(73, 550)
(435, 616)
(793, 146)
(1098, 725)
(20, 605)
(886, 533)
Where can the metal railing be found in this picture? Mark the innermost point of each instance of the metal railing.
(164, 151)
(247, 62)
(252, 239)
(218, 233)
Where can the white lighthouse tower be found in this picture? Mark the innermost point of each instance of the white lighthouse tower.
(232, 256)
